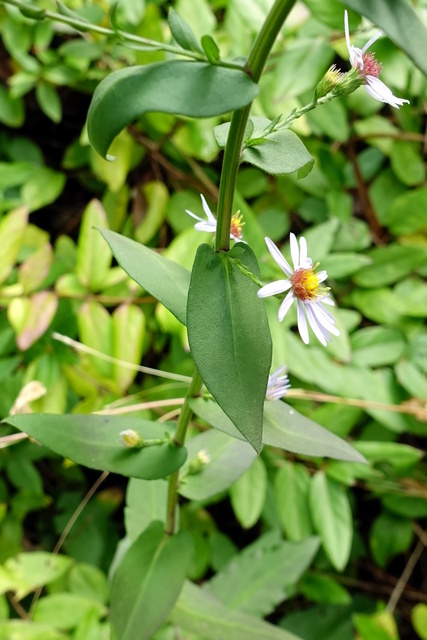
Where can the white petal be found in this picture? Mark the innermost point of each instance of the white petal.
(379, 91)
(328, 300)
(322, 275)
(324, 312)
(274, 288)
(347, 33)
(286, 305)
(321, 334)
(323, 320)
(193, 215)
(210, 216)
(303, 251)
(302, 323)
(277, 257)
(294, 250)
(372, 40)
(206, 225)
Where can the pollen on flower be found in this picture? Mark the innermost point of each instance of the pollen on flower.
(305, 284)
(236, 225)
(371, 67)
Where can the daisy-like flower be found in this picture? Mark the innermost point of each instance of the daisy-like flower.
(278, 384)
(369, 69)
(303, 285)
(210, 223)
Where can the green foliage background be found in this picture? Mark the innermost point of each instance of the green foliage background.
(316, 545)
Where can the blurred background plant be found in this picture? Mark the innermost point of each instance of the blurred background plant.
(363, 211)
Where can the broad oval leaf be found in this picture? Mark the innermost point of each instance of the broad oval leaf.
(148, 581)
(165, 280)
(397, 19)
(194, 89)
(292, 485)
(229, 336)
(94, 441)
(248, 494)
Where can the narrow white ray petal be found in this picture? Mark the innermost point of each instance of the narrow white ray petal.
(294, 250)
(193, 215)
(277, 257)
(205, 225)
(323, 320)
(286, 305)
(274, 288)
(347, 33)
(321, 334)
(328, 300)
(302, 323)
(371, 41)
(322, 275)
(325, 312)
(303, 251)
(206, 209)
(380, 91)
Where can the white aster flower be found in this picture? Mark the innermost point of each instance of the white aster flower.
(278, 384)
(210, 223)
(369, 69)
(303, 285)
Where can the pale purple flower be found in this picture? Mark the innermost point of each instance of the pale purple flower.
(303, 285)
(210, 223)
(369, 69)
(278, 384)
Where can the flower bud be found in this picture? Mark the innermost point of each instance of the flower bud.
(131, 439)
(201, 460)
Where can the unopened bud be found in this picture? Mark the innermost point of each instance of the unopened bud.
(201, 460)
(131, 439)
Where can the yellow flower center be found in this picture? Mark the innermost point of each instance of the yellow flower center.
(236, 225)
(305, 284)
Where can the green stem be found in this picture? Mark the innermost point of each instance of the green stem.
(232, 155)
(83, 25)
(179, 439)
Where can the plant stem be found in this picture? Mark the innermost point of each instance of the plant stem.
(232, 155)
(83, 25)
(179, 439)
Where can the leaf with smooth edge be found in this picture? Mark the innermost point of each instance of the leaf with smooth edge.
(229, 459)
(180, 87)
(94, 441)
(332, 518)
(400, 22)
(284, 428)
(148, 581)
(164, 279)
(229, 336)
(248, 493)
(257, 579)
(201, 614)
(182, 32)
(24, 630)
(291, 485)
(93, 259)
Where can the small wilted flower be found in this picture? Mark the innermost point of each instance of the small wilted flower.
(131, 439)
(199, 461)
(330, 81)
(278, 384)
(368, 69)
(210, 223)
(303, 285)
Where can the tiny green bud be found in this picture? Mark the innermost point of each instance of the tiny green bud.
(131, 439)
(329, 82)
(201, 460)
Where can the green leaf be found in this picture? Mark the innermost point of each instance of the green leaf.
(94, 441)
(332, 518)
(128, 338)
(66, 610)
(156, 197)
(89, 581)
(248, 494)
(49, 101)
(164, 279)
(12, 231)
(96, 331)
(12, 110)
(407, 163)
(93, 258)
(407, 213)
(28, 631)
(145, 502)
(199, 90)
(147, 582)
(377, 346)
(182, 32)
(200, 613)
(400, 456)
(31, 317)
(324, 589)
(397, 20)
(389, 264)
(256, 580)
(419, 620)
(211, 49)
(25, 572)
(388, 537)
(229, 336)
(44, 187)
(292, 484)
(229, 459)
(379, 626)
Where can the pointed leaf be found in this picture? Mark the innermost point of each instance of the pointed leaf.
(93, 257)
(182, 32)
(248, 494)
(332, 518)
(94, 441)
(164, 279)
(128, 338)
(229, 336)
(292, 485)
(211, 49)
(147, 582)
(195, 89)
(202, 614)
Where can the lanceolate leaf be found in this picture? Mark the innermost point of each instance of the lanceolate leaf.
(147, 582)
(400, 22)
(202, 614)
(164, 279)
(195, 89)
(229, 336)
(94, 441)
